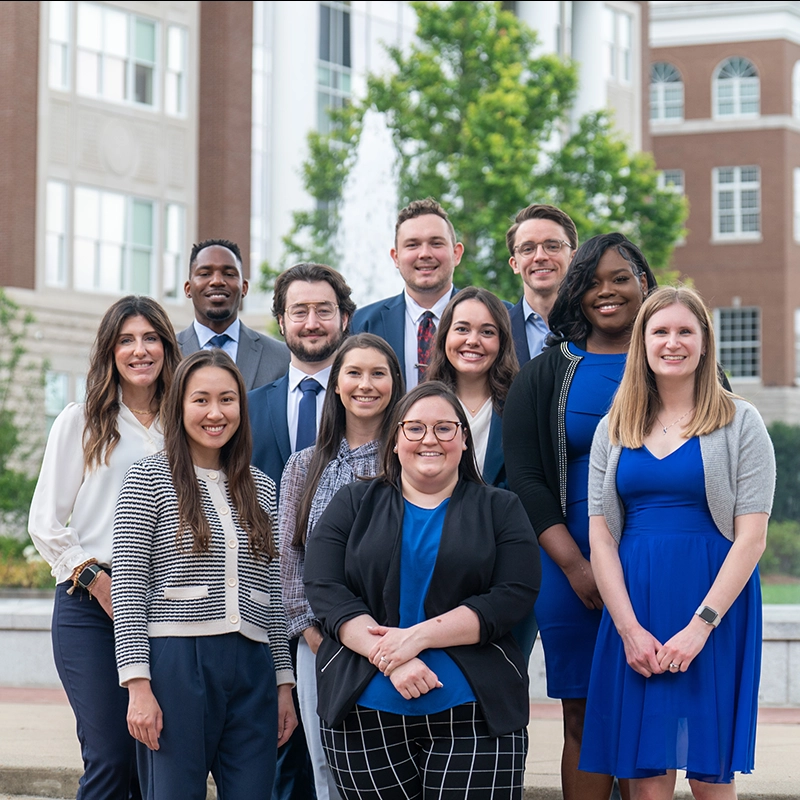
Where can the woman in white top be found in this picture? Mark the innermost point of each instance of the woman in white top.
(473, 354)
(89, 450)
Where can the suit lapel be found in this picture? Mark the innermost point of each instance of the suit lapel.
(277, 398)
(187, 339)
(393, 319)
(518, 333)
(493, 462)
(247, 355)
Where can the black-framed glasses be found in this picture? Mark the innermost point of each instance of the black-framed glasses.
(550, 246)
(298, 312)
(444, 430)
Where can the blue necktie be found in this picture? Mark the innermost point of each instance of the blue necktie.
(307, 416)
(218, 340)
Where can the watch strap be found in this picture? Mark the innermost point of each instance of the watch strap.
(708, 615)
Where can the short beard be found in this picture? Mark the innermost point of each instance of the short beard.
(298, 349)
(220, 314)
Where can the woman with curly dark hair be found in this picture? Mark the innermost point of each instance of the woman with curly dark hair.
(550, 417)
(90, 448)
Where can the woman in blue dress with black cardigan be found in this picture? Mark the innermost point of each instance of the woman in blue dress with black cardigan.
(550, 417)
(681, 486)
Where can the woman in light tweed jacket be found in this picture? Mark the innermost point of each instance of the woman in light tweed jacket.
(200, 628)
(680, 488)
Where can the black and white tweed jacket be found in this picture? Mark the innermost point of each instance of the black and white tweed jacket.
(159, 589)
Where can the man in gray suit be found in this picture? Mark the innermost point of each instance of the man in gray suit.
(216, 287)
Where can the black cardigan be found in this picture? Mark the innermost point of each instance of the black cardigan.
(534, 435)
(488, 560)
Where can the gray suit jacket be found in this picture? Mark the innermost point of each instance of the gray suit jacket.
(260, 358)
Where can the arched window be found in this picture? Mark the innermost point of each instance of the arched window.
(796, 90)
(736, 89)
(666, 93)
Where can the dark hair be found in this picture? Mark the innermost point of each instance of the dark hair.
(333, 424)
(542, 211)
(505, 367)
(228, 245)
(566, 320)
(234, 459)
(313, 273)
(100, 432)
(420, 208)
(390, 463)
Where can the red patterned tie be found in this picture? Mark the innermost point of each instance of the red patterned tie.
(425, 333)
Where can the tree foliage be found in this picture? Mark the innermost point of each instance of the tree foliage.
(16, 487)
(476, 116)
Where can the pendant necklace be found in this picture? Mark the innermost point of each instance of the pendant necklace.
(665, 428)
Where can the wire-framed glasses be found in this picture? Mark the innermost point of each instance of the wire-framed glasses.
(550, 246)
(298, 312)
(444, 430)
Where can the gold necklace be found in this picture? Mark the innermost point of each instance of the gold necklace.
(139, 411)
(479, 407)
(665, 428)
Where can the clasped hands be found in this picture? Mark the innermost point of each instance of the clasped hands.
(648, 656)
(395, 655)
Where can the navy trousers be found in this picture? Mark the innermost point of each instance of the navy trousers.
(220, 706)
(83, 649)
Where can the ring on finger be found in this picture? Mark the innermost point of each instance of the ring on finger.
(673, 665)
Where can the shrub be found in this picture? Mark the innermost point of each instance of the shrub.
(782, 555)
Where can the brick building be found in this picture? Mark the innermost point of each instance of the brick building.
(725, 128)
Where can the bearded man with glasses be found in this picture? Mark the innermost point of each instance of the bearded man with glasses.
(541, 242)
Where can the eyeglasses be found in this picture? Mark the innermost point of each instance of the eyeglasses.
(550, 246)
(444, 430)
(298, 312)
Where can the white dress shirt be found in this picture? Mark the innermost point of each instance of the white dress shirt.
(72, 514)
(414, 312)
(479, 425)
(296, 395)
(204, 335)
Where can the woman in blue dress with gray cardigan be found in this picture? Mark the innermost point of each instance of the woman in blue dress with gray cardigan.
(681, 484)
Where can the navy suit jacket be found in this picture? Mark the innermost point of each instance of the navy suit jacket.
(517, 315)
(387, 319)
(270, 428)
(494, 465)
(260, 358)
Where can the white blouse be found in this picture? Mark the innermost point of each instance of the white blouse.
(479, 428)
(72, 514)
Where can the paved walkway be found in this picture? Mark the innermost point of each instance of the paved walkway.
(39, 755)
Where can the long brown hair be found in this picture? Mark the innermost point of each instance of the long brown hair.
(505, 366)
(234, 460)
(391, 471)
(636, 405)
(100, 432)
(333, 425)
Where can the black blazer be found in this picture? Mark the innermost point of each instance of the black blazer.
(488, 560)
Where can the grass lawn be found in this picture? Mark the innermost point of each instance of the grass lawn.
(777, 590)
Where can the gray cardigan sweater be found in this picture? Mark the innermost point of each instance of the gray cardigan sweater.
(738, 462)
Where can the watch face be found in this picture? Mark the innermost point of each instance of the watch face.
(88, 575)
(708, 615)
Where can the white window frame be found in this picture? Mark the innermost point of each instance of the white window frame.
(100, 244)
(796, 214)
(334, 75)
(175, 71)
(796, 90)
(733, 353)
(104, 57)
(56, 395)
(56, 234)
(737, 206)
(662, 83)
(739, 84)
(174, 258)
(618, 41)
(59, 45)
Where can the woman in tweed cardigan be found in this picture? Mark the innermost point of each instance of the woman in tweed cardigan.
(200, 628)
(365, 384)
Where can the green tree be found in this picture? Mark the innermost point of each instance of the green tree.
(474, 116)
(786, 441)
(16, 487)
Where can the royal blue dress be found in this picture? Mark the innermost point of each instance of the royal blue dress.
(702, 720)
(567, 627)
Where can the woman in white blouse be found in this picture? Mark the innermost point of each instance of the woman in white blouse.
(89, 450)
(473, 354)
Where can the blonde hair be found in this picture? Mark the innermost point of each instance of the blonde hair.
(636, 405)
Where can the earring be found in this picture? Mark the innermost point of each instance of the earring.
(394, 449)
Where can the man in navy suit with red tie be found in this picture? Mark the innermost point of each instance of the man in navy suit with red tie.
(541, 242)
(426, 254)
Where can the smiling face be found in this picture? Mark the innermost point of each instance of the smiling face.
(674, 342)
(429, 465)
(312, 341)
(216, 287)
(426, 256)
(541, 273)
(613, 298)
(365, 384)
(473, 340)
(211, 413)
(138, 353)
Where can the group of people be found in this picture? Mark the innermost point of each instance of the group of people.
(575, 461)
